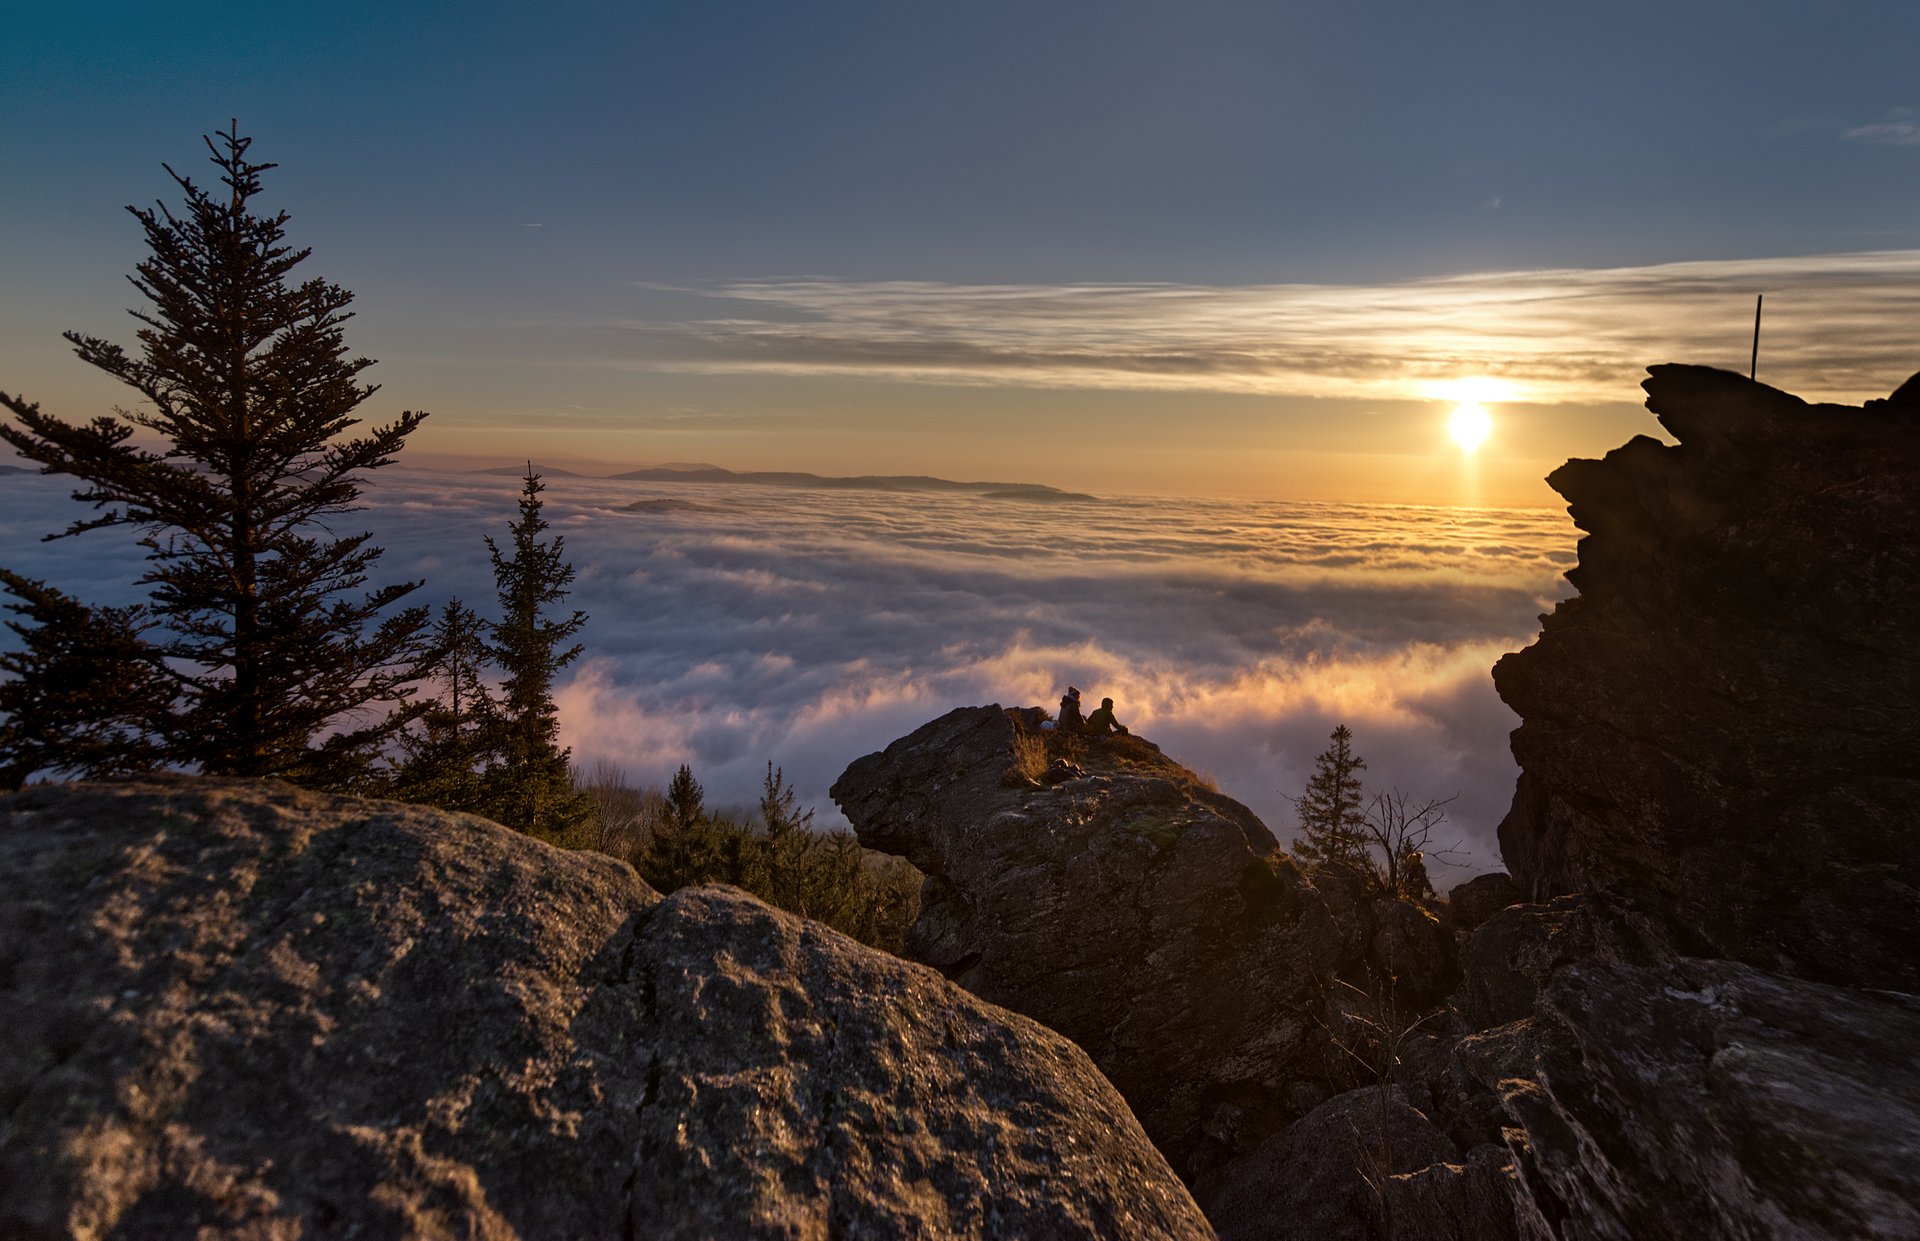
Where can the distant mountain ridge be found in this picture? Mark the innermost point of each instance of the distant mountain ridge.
(861, 482)
(544, 471)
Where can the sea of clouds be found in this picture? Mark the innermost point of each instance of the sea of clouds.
(736, 624)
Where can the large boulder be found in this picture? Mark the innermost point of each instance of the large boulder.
(236, 1008)
(1112, 895)
(1721, 727)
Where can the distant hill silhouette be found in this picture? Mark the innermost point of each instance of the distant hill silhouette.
(15, 469)
(544, 471)
(665, 506)
(862, 482)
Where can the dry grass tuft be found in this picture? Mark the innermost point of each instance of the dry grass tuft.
(1030, 756)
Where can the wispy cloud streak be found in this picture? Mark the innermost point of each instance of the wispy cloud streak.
(1840, 328)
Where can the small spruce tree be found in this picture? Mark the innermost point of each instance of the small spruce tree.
(448, 750)
(86, 694)
(683, 847)
(788, 834)
(532, 787)
(281, 665)
(1332, 811)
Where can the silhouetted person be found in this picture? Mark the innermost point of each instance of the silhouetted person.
(1102, 724)
(1071, 720)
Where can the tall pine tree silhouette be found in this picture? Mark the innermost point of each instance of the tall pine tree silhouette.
(533, 789)
(1333, 819)
(282, 662)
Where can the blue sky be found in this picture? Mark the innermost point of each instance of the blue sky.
(550, 214)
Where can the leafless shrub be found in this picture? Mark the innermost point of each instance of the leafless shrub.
(1400, 833)
(621, 817)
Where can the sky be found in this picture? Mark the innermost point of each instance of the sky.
(1210, 249)
(1229, 267)
(730, 626)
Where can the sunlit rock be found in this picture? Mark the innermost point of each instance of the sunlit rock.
(1140, 913)
(237, 1009)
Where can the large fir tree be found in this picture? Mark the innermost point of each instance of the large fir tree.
(1332, 810)
(233, 470)
(533, 789)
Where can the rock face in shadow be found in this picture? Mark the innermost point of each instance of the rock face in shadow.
(1709, 1029)
(1722, 727)
(1118, 900)
(1306, 1182)
(234, 1008)
(1710, 1099)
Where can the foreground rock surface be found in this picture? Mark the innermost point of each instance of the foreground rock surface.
(235, 1008)
(1722, 727)
(1710, 1099)
(1141, 914)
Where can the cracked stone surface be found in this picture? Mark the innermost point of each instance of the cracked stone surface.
(240, 1009)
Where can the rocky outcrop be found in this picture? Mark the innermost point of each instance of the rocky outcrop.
(1721, 728)
(1710, 1099)
(1718, 794)
(1138, 912)
(238, 1009)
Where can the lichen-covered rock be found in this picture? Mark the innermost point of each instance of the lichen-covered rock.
(1722, 727)
(1141, 914)
(239, 1009)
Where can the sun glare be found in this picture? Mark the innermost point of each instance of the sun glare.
(1470, 425)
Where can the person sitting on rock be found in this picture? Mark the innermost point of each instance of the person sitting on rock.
(1071, 720)
(1102, 724)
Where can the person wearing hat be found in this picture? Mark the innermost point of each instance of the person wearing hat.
(1071, 720)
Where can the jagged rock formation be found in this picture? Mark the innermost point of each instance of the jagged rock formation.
(1722, 727)
(1139, 913)
(234, 1008)
(1718, 790)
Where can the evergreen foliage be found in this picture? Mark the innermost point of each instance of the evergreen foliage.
(255, 607)
(86, 694)
(451, 747)
(1332, 810)
(825, 876)
(787, 836)
(531, 787)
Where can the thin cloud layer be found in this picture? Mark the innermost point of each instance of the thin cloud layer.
(1839, 328)
(810, 628)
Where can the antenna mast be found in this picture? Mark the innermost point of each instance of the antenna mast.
(1753, 367)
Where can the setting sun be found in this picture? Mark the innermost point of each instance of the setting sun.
(1470, 425)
